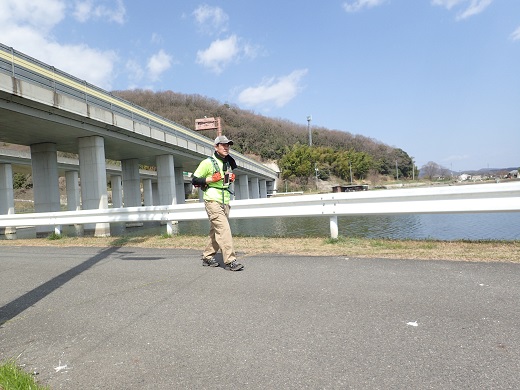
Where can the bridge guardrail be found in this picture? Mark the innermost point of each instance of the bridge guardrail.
(24, 67)
(477, 198)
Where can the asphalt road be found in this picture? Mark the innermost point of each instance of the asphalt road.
(133, 318)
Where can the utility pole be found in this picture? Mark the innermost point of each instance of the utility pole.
(309, 119)
(316, 172)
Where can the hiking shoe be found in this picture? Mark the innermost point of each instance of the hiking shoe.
(211, 262)
(234, 266)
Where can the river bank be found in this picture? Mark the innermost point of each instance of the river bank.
(482, 251)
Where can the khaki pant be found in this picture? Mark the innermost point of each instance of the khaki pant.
(219, 232)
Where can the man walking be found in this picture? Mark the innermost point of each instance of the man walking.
(214, 175)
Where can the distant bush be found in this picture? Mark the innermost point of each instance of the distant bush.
(22, 181)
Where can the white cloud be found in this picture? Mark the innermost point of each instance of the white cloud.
(156, 39)
(357, 5)
(211, 20)
(40, 15)
(219, 54)
(134, 71)
(82, 11)
(456, 157)
(515, 36)
(476, 7)
(92, 9)
(222, 52)
(158, 64)
(251, 51)
(449, 4)
(27, 26)
(277, 92)
(473, 8)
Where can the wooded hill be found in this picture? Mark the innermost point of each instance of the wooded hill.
(279, 140)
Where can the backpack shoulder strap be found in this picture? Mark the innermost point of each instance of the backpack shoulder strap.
(215, 165)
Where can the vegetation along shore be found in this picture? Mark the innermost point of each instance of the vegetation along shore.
(481, 251)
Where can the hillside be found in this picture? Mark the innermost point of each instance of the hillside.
(267, 138)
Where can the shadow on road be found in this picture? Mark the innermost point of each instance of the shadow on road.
(13, 308)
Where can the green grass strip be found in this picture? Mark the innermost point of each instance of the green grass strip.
(13, 377)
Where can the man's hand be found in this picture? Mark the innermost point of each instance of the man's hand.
(216, 177)
(231, 177)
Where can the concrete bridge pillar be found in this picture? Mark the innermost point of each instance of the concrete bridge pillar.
(117, 191)
(44, 161)
(73, 196)
(255, 188)
(179, 186)
(236, 188)
(155, 194)
(263, 188)
(116, 184)
(147, 192)
(92, 171)
(271, 186)
(131, 182)
(6, 195)
(166, 179)
(242, 187)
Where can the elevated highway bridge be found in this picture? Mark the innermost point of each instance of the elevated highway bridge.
(51, 111)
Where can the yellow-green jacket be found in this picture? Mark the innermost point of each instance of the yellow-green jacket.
(216, 191)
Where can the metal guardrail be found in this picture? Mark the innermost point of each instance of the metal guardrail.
(477, 198)
(24, 67)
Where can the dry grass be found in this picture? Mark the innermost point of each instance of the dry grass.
(486, 251)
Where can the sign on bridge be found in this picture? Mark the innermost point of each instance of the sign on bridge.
(208, 124)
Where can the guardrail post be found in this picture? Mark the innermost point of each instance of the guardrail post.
(333, 222)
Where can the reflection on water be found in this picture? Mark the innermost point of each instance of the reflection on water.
(486, 226)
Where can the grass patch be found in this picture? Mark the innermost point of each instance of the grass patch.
(430, 245)
(387, 244)
(336, 241)
(13, 377)
(54, 236)
(121, 241)
(464, 250)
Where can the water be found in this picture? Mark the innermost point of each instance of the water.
(481, 226)
(446, 227)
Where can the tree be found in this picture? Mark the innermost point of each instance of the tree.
(430, 170)
(270, 138)
(341, 166)
(21, 181)
(297, 162)
(361, 163)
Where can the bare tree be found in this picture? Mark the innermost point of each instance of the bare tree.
(431, 170)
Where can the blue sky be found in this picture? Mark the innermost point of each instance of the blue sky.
(439, 79)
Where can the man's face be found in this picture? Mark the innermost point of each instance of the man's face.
(222, 149)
